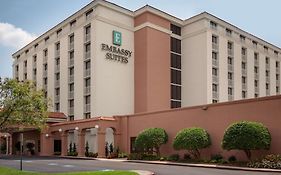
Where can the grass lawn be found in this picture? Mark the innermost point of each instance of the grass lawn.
(9, 171)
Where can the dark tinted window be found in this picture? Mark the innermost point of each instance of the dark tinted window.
(175, 29)
(175, 45)
(175, 76)
(175, 104)
(175, 61)
(176, 92)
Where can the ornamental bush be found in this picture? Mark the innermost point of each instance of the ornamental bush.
(192, 140)
(151, 139)
(246, 136)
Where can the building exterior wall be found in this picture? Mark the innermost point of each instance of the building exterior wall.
(215, 118)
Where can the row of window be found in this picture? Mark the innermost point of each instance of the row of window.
(229, 33)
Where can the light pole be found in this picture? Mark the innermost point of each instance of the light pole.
(21, 147)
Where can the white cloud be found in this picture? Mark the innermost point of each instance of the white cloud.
(11, 36)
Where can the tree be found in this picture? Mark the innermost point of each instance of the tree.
(151, 139)
(192, 139)
(21, 104)
(246, 136)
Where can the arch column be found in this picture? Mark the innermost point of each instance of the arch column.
(46, 144)
(64, 144)
(101, 144)
(81, 143)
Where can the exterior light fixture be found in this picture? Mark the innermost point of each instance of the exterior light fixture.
(47, 135)
(5, 135)
(97, 126)
(76, 128)
(60, 130)
(204, 108)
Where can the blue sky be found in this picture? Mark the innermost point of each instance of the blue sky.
(21, 21)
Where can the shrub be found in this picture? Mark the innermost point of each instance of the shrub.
(186, 157)
(269, 161)
(87, 149)
(17, 146)
(30, 147)
(135, 156)
(72, 153)
(232, 159)
(122, 155)
(217, 157)
(150, 157)
(246, 136)
(174, 157)
(94, 155)
(163, 158)
(151, 139)
(192, 139)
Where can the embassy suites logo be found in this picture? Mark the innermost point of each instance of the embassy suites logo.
(114, 52)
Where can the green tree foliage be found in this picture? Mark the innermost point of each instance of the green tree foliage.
(246, 136)
(21, 105)
(151, 139)
(192, 140)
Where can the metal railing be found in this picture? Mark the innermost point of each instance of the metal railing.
(57, 68)
(215, 79)
(57, 98)
(57, 83)
(230, 52)
(87, 55)
(71, 78)
(230, 67)
(215, 95)
(230, 83)
(70, 94)
(215, 63)
(71, 111)
(87, 37)
(87, 72)
(244, 72)
(87, 90)
(87, 108)
(244, 86)
(71, 46)
(215, 46)
(71, 62)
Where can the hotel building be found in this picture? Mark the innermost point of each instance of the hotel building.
(134, 66)
(168, 63)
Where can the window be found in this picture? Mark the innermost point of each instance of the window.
(256, 83)
(57, 46)
(175, 29)
(277, 89)
(267, 73)
(244, 51)
(228, 32)
(71, 103)
(215, 88)
(26, 51)
(267, 60)
(87, 65)
(71, 71)
(34, 58)
(244, 94)
(175, 104)
(57, 76)
(256, 56)
(256, 95)
(265, 48)
(45, 52)
(230, 75)
(230, 60)
(35, 46)
(176, 76)
(57, 91)
(88, 30)
(255, 44)
(214, 39)
(45, 81)
(57, 107)
(276, 53)
(87, 99)
(71, 118)
(229, 45)
(71, 87)
(230, 91)
(25, 63)
(175, 45)
(214, 55)
(47, 39)
(71, 39)
(244, 79)
(215, 101)
(87, 82)
(88, 13)
(57, 61)
(88, 47)
(71, 55)
(72, 24)
(59, 32)
(175, 61)
(215, 71)
(277, 64)
(213, 25)
(243, 64)
(242, 38)
(45, 67)
(256, 69)
(176, 92)
(267, 86)
(25, 76)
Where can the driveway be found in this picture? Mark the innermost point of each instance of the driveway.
(51, 165)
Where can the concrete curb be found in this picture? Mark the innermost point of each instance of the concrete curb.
(207, 166)
(141, 172)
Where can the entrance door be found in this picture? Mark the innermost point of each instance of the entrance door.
(57, 146)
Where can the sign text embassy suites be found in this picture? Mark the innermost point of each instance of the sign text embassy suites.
(114, 52)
